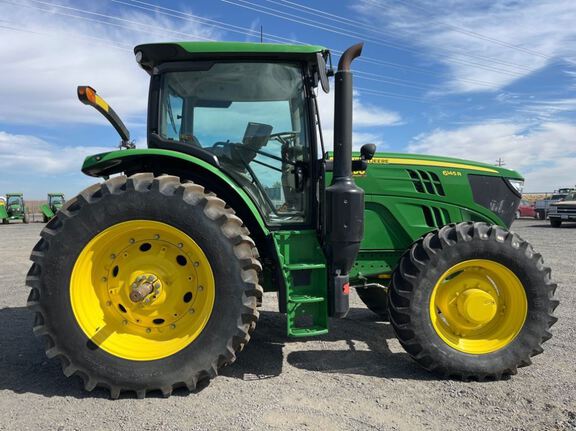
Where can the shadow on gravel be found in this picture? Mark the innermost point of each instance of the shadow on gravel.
(24, 367)
(360, 326)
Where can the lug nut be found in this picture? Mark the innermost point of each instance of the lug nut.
(112, 256)
(196, 264)
(148, 330)
(156, 236)
(180, 245)
(124, 322)
(104, 279)
(132, 241)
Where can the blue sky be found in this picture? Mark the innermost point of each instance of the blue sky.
(481, 80)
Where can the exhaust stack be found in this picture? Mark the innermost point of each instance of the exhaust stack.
(344, 200)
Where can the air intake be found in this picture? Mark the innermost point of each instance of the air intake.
(426, 182)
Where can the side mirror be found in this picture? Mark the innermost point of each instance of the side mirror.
(367, 151)
(322, 72)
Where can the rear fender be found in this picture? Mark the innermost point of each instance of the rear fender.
(185, 166)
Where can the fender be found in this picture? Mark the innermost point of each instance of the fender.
(183, 165)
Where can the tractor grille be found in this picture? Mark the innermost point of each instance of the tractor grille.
(426, 182)
(435, 217)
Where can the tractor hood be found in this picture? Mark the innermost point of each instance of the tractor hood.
(449, 163)
(477, 191)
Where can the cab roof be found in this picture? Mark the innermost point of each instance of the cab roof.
(154, 54)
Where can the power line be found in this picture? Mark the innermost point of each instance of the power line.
(466, 31)
(303, 21)
(365, 27)
(151, 7)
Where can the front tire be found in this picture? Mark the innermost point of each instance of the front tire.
(555, 222)
(112, 239)
(472, 301)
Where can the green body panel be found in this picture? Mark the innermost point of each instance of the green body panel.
(248, 47)
(93, 163)
(3, 213)
(48, 213)
(303, 268)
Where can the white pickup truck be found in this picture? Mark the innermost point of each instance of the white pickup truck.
(562, 211)
(542, 206)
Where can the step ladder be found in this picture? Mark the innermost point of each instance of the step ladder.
(303, 268)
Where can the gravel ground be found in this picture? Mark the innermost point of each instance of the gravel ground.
(357, 377)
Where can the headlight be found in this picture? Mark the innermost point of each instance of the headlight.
(517, 184)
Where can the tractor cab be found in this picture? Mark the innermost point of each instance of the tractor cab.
(15, 202)
(55, 201)
(247, 108)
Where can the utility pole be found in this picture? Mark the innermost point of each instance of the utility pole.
(261, 34)
(500, 162)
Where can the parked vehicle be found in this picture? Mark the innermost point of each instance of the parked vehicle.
(541, 207)
(526, 209)
(563, 211)
(151, 280)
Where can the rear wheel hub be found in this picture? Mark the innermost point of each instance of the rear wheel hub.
(142, 290)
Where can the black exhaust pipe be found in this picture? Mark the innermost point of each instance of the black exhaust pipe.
(344, 200)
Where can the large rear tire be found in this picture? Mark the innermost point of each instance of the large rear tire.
(472, 301)
(190, 259)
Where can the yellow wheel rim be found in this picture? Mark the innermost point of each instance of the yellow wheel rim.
(478, 306)
(174, 283)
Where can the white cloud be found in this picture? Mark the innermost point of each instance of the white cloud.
(545, 154)
(52, 54)
(543, 26)
(29, 154)
(368, 121)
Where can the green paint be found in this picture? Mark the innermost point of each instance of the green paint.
(305, 277)
(101, 161)
(248, 47)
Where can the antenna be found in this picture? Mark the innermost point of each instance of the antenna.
(500, 162)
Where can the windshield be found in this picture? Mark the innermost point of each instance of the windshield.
(56, 200)
(14, 200)
(252, 116)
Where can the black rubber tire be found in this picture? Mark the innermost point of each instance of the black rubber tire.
(541, 215)
(187, 206)
(45, 219)
(25, 219)
(555, 222)
(417, 274)
(376, 299)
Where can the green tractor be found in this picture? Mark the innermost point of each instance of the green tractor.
(52, 206)
(14, 208)
(151, 280)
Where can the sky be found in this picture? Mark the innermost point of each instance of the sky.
(486, 80)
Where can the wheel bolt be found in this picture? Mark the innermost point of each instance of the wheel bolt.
(108, 303)
(124, 322)
(112, 256)
(180, 245)
(200, 288)
(173, 326)
(132, 241)
(150, 278)
(196, 264)
(191, 311)
(156, 236)
(104, 279)
(148, 330)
